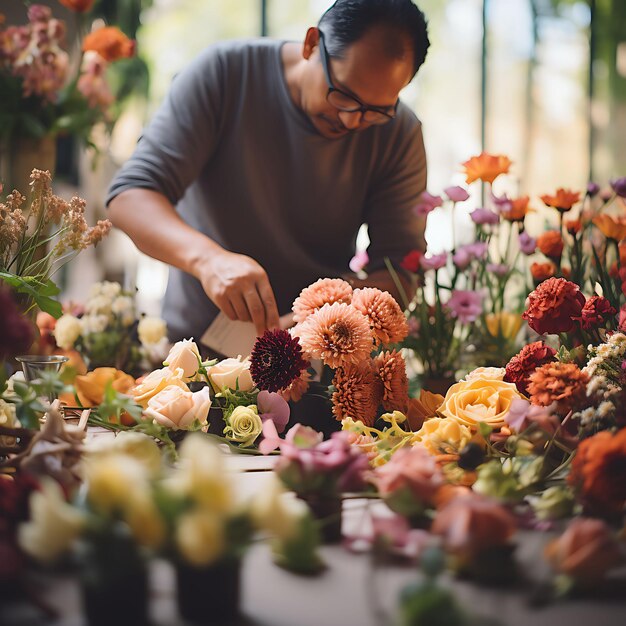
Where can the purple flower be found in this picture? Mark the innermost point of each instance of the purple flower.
(526, 243)
(427, 202)
(478, 249)
(273, 407)
(456, 194)
(359, 261)
(434, 262)
(619, 186)
(484, 216)
(462, 258)
(592, 189)
(502, 204)
(499, 269)
(466, 306)
(516, 415)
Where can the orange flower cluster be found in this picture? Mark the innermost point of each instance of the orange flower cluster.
(563, 383)
(110, 43)
(542, 271)
(358, 393)
(551, 244)
(486, 167)
(525, 362)
(563, 200)
(598, 473)
(517, 210)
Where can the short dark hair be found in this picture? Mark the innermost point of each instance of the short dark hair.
(348, 20)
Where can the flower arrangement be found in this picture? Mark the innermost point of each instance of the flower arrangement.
(45, 92)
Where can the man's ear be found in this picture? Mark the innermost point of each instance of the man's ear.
(311, 41)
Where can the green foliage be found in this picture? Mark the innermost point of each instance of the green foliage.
(299, 554)
(39, 290)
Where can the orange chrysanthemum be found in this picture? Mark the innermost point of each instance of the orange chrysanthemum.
(80, 6)
(551, 244)
(110, 43)
(563, 200)
(598, 472)
(611, 227)
(391, 370)
(517, 210)
(315, 296)
(563, 383)
(385, 316)
(486, 167)
(337, 334)
(542, 271)
(298, 387)
(358, 393)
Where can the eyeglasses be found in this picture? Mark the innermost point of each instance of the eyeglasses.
(351, 104)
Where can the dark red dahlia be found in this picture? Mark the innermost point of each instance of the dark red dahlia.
(16, 332)
(525, 362)
(596, 312)
(276, 360)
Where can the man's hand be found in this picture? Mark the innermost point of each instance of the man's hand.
(239, 286)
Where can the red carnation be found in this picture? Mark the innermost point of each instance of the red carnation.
(554, 306)
(596, 312)
(525, 362)
(411, 262)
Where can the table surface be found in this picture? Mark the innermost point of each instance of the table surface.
(350, 592)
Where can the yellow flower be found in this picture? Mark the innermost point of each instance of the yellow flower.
(137, 445)
(490, 373)
(66, 331)
(244, 425)
(504, 324)
(151, 330)
(443, 436)
(8, 419)
(155, 382)
(199, 537)
(479, 400)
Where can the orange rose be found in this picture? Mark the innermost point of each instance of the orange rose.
(422, 408)
(563, 200)
(79, 6)
(518, 209)
(90, 387)
(611, 227)
(551, 244)
(542, 271)
(110, 43)
(486, 167)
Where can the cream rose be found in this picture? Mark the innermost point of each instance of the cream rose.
(443, 435)
(479, 400)
(186, 356)
(176, 408)
(53, 525)
(151, 330)
(8, 419)
(155, 382)
(66, 331)
(490, 373)
(243, 425)
(231, 373)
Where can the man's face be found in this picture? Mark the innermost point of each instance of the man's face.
(365, 71)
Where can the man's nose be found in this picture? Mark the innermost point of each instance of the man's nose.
(351, 119)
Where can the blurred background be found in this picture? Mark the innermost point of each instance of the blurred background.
(542, 81)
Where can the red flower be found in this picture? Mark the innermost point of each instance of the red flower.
(16, 333)
(551, 244)
(554, 306)
(596, 312)
(525, 362)
(411, 262)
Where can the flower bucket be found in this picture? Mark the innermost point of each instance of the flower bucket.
(328, 512)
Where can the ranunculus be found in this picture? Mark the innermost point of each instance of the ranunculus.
(243, 425)
(554, 306)
(155, 382)
(482, 216)
(563, 200)
(434, 262)
(110, 43)
(525, 362)
(443, 435)
(231, 373)
(586, 551)
(151, 330)
(486, 167)
(176, 408)
(596, 312)
(527, 244)
(90, 387)
(551, 244)
(411, 262)
(186, 356)
(456, 194)
(479, 400)
(542, 271)
(427, 203)
(66, 331)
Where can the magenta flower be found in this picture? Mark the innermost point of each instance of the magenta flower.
(619, 186)
(434, 262)
(456, 194)
(466, 306)
(521, 413)
(484, 216)
(478, 249)
(273, 407)
(499, 269)
(527, 244)
(462, 258)
(359, 261)
(427, 203)
(502, 203)
(592, 189)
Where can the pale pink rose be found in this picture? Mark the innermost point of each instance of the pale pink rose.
(186, 356)
(176, 408)
(586, 551)
(231, 373)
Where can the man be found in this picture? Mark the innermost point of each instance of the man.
(253, 178)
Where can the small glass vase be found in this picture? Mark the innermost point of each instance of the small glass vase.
(327, 511)
(211, 594)
(34, 364)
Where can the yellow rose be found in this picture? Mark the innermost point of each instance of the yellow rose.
(200, 538)
(184, 354)
(479, 400)
(151, 330)
(155, 382)
(244, 425)
(231, 373)
(443, 435)
(176, 408)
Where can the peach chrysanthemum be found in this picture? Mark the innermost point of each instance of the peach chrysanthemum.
(563, 383)
(337, 334)
(391, 370)
(385, 316)
(295, 391)
(358, 392)
(315, 296)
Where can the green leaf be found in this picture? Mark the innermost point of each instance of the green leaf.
(40, 291)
